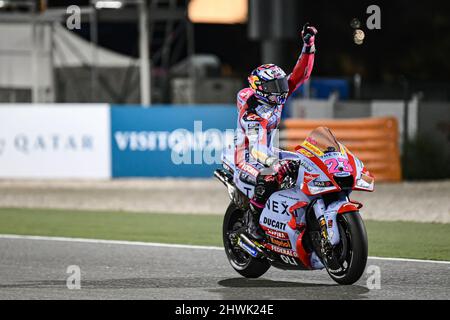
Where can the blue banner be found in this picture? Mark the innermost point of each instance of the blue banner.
(169, 141)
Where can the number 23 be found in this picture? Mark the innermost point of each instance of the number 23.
(333, 165)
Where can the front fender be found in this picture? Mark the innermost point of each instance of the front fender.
(331, 213)
(351, 206)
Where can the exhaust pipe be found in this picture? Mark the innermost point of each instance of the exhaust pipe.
(247, 245)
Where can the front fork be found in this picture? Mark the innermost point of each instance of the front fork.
(327, 222)
(329, 231)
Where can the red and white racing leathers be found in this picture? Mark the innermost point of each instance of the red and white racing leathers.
(256, 126)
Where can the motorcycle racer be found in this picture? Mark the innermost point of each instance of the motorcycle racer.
(260, 105)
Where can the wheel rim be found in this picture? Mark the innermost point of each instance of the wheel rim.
(343, 251)
(238, 257)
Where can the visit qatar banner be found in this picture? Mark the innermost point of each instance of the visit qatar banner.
(170, 141)
(69, 141)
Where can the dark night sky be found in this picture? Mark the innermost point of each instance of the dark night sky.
(414, 40)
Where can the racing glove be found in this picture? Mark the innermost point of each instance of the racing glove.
(309, 35)
(285, 168)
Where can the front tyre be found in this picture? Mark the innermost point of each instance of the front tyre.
(352, 250)
(241, 261)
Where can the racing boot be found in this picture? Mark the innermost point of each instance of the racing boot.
(254, 231)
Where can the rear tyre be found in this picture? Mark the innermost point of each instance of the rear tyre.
(240, 260)
(352, 250)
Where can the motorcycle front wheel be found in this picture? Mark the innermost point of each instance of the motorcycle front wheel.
(352, 251)
(241, 261)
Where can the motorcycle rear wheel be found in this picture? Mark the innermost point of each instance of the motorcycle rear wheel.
(241, 261)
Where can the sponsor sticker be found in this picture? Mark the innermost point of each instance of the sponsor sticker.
(312, 148)
(331, 155)
(310, 177)
(277, 234)
(330, 223)
(312, 141)
(278, 207)
(306, 153)
(249, 169)
(342, 174)
(279, 250)
(274, 223)
(306, 166)
(247, 248)
(322, 184)
(289, 260)
(280, 243)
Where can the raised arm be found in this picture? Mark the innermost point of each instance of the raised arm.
(303, 67)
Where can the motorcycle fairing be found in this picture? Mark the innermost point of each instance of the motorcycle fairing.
(321, 155)
(315, 177)
(364, 180)
(275, 220)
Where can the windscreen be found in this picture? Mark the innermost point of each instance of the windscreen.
(323, 139)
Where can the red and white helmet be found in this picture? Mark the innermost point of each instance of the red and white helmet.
(270, 84)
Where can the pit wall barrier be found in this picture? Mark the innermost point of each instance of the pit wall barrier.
(373, 140)
(169, 141)
(51, 141)
(99, 141)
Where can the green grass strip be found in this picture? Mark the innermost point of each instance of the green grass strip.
(386, 239)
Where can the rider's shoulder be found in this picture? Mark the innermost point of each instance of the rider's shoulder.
(246, 99)
(245, 94)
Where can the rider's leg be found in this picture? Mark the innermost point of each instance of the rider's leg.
(265, 186)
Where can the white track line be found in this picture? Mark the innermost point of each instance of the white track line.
(85, 240)
(168, 245)
(409, 260)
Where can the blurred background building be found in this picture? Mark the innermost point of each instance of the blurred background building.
(218, 43)
(181, 52)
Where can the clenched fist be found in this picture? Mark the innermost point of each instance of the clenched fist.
(309, 35)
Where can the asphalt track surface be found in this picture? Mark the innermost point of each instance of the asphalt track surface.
(36, 269)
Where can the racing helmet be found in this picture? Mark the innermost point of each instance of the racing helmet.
(270, 84)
